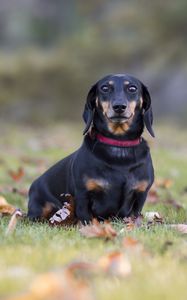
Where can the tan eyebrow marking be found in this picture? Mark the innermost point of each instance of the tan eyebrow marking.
(126, 82)
(111, 82)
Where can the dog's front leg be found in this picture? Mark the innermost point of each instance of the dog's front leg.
(128, 202)
(82, 207)
(140, 198)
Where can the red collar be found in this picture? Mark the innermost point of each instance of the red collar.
(112, 142)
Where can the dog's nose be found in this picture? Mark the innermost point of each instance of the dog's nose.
(119, 108)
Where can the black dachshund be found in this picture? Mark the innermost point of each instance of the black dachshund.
(111, 173)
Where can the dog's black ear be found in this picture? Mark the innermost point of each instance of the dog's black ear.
(89, 108)
(148, 113)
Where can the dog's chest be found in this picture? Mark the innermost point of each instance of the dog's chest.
(107, 190)
(110, 181)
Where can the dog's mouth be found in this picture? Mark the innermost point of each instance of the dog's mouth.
(119, 119)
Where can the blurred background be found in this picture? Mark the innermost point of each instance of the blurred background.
(52, 51)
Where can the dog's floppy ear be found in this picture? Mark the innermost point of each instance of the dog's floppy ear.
(89, 108)
(148, 114)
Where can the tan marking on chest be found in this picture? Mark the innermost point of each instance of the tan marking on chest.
(141, 186)
(118, 128)
(93, 184)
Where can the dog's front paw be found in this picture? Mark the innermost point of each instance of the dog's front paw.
(85, 219)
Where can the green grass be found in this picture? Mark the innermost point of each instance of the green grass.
(33, 249)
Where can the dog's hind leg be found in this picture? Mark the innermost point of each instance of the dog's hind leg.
(42, 204)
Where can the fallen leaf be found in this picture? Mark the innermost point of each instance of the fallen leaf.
(132, 245)
(98, 230)
(153, 197)
(150, 215)
(81, 267)
(5, 207)
(55, 286)
(158, 220)
(130, 242)
(165, 183)
(132, 222)
(180, 227)
(115, 263)
(17, 175)
(13, 221)
(46, 285)
(153, 218)
(65, 215)
(3, 201)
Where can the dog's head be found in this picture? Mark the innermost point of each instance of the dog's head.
(118, 100)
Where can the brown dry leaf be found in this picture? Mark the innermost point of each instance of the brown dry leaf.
(158, 220)
(17, 175)
(3, 201)
(5, 207)
(130, 242)
(13, 221)
(180, 227)
(151, 215)
(129, 223)
(153, 196)
(80, 267)
(133, 222)
(132, 245)
(164, 183)
(115, 263)
(98, 230)
(153, 218)
(66, 215)
(55, 286)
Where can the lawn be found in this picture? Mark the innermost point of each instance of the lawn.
(155, 257)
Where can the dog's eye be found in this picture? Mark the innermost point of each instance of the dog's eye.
(132, 88)
(105, 88)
